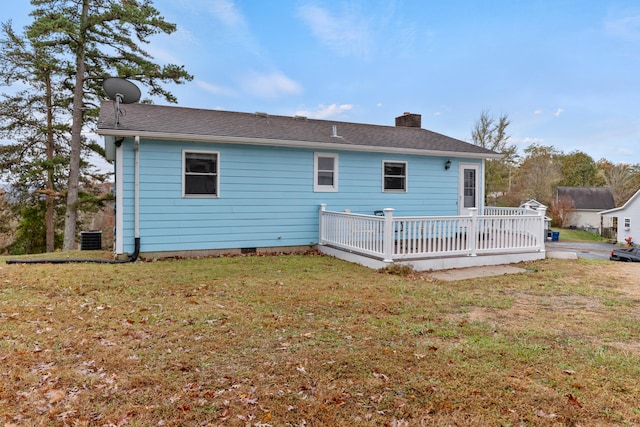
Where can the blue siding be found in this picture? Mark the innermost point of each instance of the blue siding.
(266, 195)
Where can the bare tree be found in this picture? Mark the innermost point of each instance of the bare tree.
(562, 211)
(491, 133)
(623, 179)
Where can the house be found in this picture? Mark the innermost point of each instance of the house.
(535, 205)
(197, 182)
(588, 203)
(625, 219)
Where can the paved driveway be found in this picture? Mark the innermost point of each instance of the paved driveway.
(591, 250)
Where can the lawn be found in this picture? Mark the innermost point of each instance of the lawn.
(308, 340)
(572, 235)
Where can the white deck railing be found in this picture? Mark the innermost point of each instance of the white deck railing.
(505, 230)
(493, 210)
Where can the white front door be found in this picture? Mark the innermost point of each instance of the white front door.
(468, 191)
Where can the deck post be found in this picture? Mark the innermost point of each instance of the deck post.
(542, 211)
(387, 236)
(323, 208)
(472, 235)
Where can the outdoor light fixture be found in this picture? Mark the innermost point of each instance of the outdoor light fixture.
(447, 165)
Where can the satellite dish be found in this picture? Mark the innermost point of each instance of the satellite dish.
(122, 91)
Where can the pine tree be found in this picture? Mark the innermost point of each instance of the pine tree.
(101, 38)
(35, 119)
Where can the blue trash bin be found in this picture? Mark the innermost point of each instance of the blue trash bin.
(555, 236)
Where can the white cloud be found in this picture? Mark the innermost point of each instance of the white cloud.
(214, 89)
(162, 56)
(227, 13)
(273, 85)
(624, 151)
(234, 28)
(558, 112)
(537, 112)
(347, 34)
(625, 28)
(325, 111)
(526, 141)
(443, 110)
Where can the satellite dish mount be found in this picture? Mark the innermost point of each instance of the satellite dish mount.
(122, 91)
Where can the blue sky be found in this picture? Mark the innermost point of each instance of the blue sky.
(567, 73)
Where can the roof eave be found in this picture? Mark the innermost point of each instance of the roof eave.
(167, 136)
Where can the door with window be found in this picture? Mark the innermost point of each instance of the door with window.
(469, 190)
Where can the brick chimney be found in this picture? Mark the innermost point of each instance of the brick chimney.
(409, 120)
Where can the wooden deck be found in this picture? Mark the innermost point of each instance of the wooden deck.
(428, 242)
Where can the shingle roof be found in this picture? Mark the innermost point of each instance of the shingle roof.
(181, 123)
(596, 198)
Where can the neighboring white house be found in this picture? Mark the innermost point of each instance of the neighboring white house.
(535, 205)
(626, 218)
(588, 203)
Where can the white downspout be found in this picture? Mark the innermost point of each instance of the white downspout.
(119, 231)
(136, 189)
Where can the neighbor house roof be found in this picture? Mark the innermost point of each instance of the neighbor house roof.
(627, 204)
(533, 204)
(588, 198)
(191, 124)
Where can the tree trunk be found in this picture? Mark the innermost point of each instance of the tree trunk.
(71, 216)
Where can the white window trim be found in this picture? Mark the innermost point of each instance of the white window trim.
(184, 167)
(317, 188)
(627, 223)
(479, 197)
(406, 176)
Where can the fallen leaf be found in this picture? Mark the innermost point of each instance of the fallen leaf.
(55, 396)
(543, 414)
(225, 414)
(379, 375)
(124, 420)
(573, 401)
(284, 346)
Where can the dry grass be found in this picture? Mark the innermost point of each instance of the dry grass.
(308, 340)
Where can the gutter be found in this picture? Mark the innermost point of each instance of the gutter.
(169, 136)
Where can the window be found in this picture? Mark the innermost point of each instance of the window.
(394, 176)
(469, 188)
(627, 223)
(200, 174)
(325, 172)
